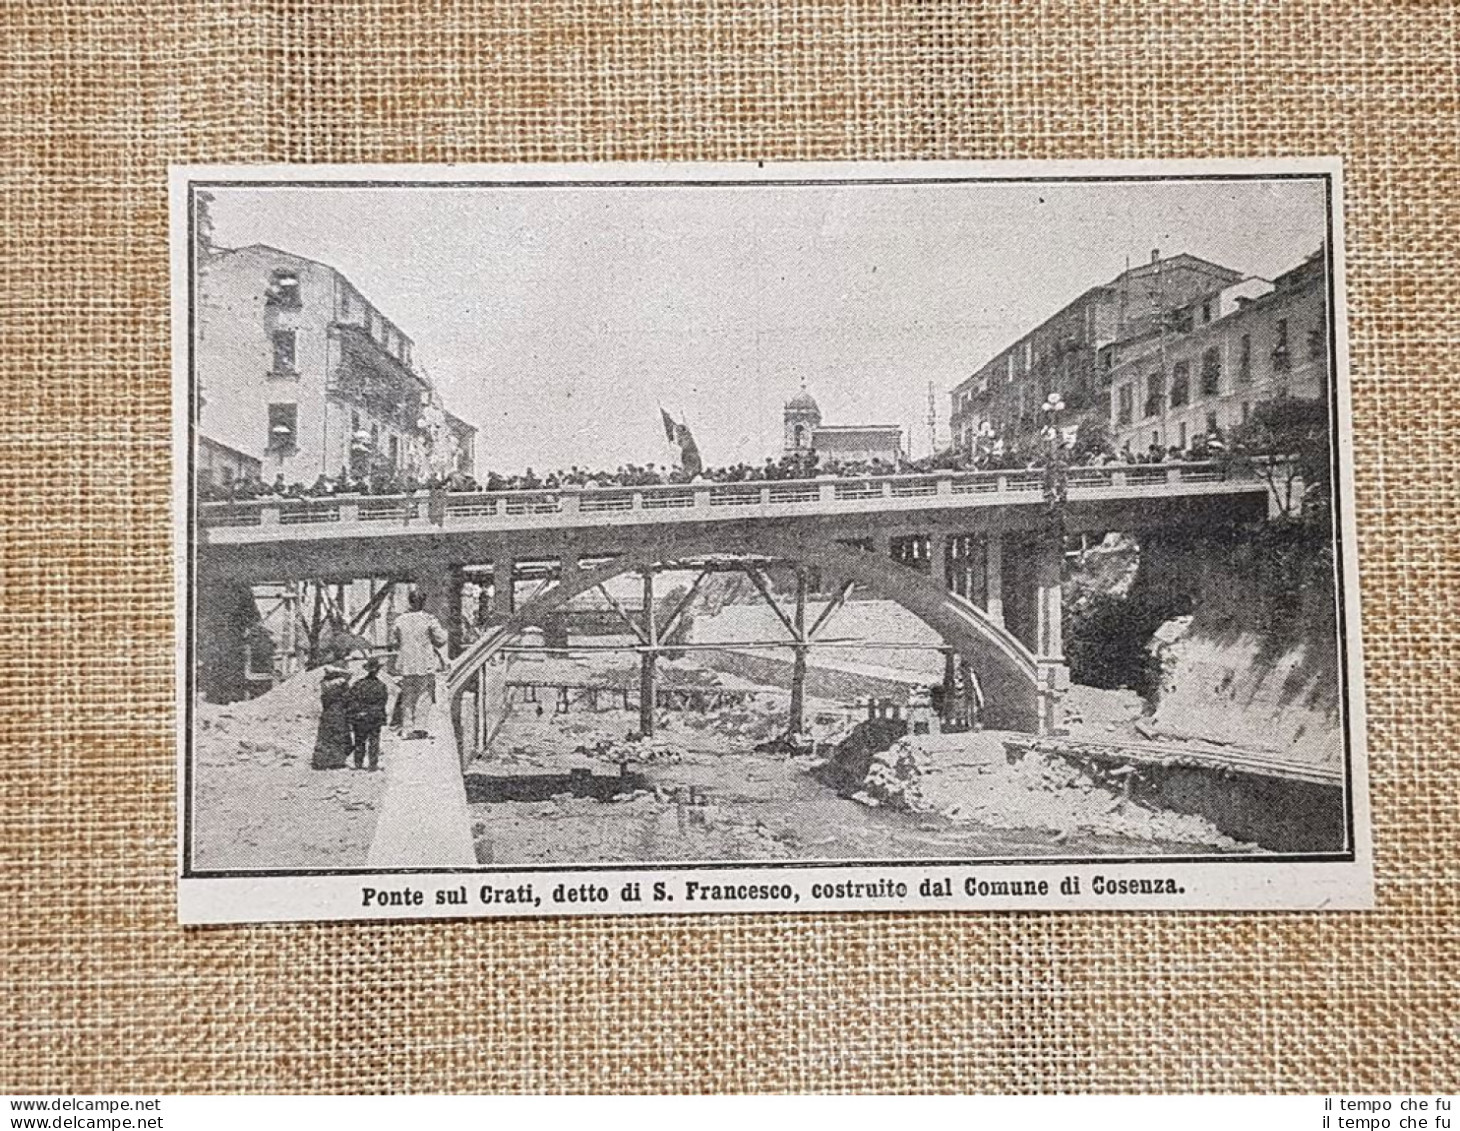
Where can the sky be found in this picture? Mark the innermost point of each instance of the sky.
(559, 320)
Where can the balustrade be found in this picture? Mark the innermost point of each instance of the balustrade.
(828, 492)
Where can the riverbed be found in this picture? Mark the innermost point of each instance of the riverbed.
(711, 796)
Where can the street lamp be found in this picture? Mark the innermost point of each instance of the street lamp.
(1056, 479)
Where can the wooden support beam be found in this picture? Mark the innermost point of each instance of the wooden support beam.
(363, 618)
(831, 609)
(317, 623)
(797, 722)
(760, 583)
(646, 661)
(679, 610)
(623, 614)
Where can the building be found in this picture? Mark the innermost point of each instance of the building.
(299, 370)
(843, 443)
(1064, 353)
(1252, 342)
(218, 465)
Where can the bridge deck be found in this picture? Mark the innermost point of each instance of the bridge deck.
(275, 519)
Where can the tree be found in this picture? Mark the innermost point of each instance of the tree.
(1092, 438)
(1286, 442)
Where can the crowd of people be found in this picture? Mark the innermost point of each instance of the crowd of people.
(792, 466)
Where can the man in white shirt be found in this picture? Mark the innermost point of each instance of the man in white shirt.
(418, 638)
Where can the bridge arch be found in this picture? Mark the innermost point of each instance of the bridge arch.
(1020, 690)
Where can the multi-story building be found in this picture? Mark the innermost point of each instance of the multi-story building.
(1218, 358)
(297, 368)
(1064, 353)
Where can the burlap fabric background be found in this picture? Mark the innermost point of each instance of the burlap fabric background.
(101, 989)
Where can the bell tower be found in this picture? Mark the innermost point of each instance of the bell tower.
(801, 416)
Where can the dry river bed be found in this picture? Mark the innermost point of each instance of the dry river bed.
(723, 801)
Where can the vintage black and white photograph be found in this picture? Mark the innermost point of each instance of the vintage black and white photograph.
(733, 538)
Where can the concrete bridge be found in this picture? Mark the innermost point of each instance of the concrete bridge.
(970, 553)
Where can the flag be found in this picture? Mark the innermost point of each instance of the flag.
(689, 452)
(681, 437)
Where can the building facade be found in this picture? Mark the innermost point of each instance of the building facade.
(843, 443)
(298, 369)
(218, 465)
(1068, 354)
(1252, 342)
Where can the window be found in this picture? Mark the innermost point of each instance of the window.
(1244, 360)
(283, 427)
(284, 351)
(1180, 384)
(1155, 393)
(1211, 424)
(1280, 359)
(1206, 311)
(1126, 405)
(395, 451)
(225, 473)
(1211, 372)
(283, 290)
(1246, 411)
(1181, 436)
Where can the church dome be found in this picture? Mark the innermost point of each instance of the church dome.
(803, 402)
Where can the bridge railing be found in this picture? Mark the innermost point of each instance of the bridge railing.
(440, 507)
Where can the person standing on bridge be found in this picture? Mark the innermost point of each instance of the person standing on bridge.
(418, 639)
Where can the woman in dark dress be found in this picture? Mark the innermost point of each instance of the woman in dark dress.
(332, 742)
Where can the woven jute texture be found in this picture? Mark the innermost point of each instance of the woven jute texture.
(101, 990)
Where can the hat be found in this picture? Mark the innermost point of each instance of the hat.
(336, 673)
(372, 664)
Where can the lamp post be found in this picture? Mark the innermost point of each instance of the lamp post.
(1056, 476)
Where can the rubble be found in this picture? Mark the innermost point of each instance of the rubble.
(968, 778)
(633, 749)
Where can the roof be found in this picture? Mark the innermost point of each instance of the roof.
(269, 249)
(804, 402)
(858, 428)
(458, 423)
(1181, 259)
(229, 448)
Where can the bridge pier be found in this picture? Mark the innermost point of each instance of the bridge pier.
(797, 722)
(504, 587)
(1053, 673)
